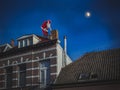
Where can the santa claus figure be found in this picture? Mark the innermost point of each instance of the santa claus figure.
(45, 26)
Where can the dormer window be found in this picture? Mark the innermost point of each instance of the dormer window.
(25, 42)
(84, 76)
(94, 75)
(88, 76)
(20, 44)
(28, 40)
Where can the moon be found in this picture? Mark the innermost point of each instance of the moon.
(87, 14)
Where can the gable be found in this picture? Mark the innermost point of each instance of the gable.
(5, 47)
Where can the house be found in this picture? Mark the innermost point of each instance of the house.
(34, 63)
(93, 71)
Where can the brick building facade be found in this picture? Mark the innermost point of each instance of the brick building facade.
(34, 63)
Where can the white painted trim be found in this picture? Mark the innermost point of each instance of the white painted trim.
(36, 52)
(53, 65)
(59, 46)
(36, 76)
(58, 59)
(18, 44)
(44, 55)
(15, 79)
(45, 58)
(6, 44)
(23, 43)
(27, 36)
(15, 71)
(5, 49)
(30, 61)
(45, 71)
(31, 84)
(36, 68)
(53, 73)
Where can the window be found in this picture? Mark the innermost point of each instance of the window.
(84, 76)
(30, 41)
(9, 77)
(94, 76)
(44, 73)
(22, 75)
(25, 42)
(21, 43)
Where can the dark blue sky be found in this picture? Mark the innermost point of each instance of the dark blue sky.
(100, 31)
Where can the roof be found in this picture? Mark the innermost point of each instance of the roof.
(92, 67)
(26, 36)
(16, 50)
(4, 47)
(42, 38)
(32, 35)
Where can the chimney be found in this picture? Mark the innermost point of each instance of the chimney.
(65, 51)
(54, 34)
(65, 44)
(12, 43)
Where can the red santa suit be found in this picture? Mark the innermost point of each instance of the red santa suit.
(45, 26)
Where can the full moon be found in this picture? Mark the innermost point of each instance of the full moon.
(87, 14)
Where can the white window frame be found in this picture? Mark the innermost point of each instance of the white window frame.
(19, 76)
(45, 71)
(23, 43)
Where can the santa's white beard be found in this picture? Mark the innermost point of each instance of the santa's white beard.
(48, 25)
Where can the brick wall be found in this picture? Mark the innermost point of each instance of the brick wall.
(32, 61)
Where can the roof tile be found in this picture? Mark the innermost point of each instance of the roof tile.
(106, 64)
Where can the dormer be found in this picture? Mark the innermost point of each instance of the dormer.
(28, 40)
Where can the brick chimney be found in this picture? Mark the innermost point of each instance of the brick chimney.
(54, 34)
(12, 43)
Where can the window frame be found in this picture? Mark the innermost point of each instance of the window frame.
(22, 72)
(10, 73)
(46, 70)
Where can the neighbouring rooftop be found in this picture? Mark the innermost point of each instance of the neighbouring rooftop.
(92, 67)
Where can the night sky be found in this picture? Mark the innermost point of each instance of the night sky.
(84, 34)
